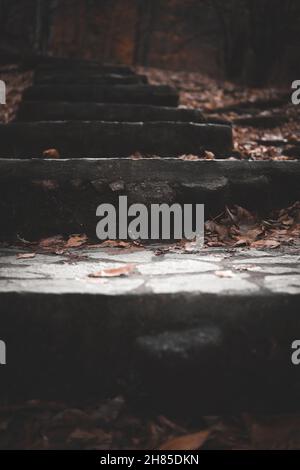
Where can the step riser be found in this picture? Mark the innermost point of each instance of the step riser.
(39, 198)
(89, 79)
(48, 111)
(83, 66)
(73, 349)
(104, 139)
(136, 94)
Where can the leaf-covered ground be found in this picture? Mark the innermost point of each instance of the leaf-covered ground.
(266, 125)
(234, 227)
(114, 424)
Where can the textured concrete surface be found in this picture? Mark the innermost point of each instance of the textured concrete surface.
(161, 95)
(76, 139)
(44, 197)
(88, 78)
(212, 328)
(218, 272)
(61, 110)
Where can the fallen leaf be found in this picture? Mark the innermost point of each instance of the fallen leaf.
(189, 157)
(242, 242)
(274, 432)
(269, 243)
(25, 255)
(51, 153)
(221, 230)
(114, 272)
(209, 155)
(115, 244)
(189, 442)
(76, 240)
(243, 216)
(50, 242)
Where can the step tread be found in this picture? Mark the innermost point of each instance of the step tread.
(172, 273)
(47, 110)
(87, 79)
(173, 317)
(110, 139)
(162, 95)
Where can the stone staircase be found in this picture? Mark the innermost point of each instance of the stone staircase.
(174, 333)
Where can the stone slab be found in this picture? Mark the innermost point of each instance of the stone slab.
(87, 78)
(112, 139)
(173, 332)
(62, 65)
(61, 111)
(39, 197)
(157, 95)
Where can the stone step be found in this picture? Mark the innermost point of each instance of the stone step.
(45, 197)
(253, 106)
(172, 334)
(63, 66)
(89, 78)
(61, 111)
(110, 139)
(136, 94)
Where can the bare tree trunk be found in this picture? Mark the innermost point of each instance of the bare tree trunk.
(146, 16)
(43, 22)
(110, 32)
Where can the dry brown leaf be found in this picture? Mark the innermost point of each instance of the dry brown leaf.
(115, 244)
(25, 255)
(189, 442)
(114, 272)
(209, 155)
(274, 432)
(268, 243)
(242, 242)
(189, 157)
(76, 240)
(51, 153)
(243, 215)
(249, 236)
(51, 241)
(221, 230)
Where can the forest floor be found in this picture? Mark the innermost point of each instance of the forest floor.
(116, 423)
(266, 125)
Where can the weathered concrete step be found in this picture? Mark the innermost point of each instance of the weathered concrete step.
(63, 66)
(43, 197)
(263, 121)
(61, 111)
(254, 105)
(110, 139)
(88, 79)
(172, 332)
(136, 94)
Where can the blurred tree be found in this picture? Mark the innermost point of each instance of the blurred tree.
(146, 11)
(253, 36)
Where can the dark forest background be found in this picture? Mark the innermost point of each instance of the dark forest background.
(251, 41)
